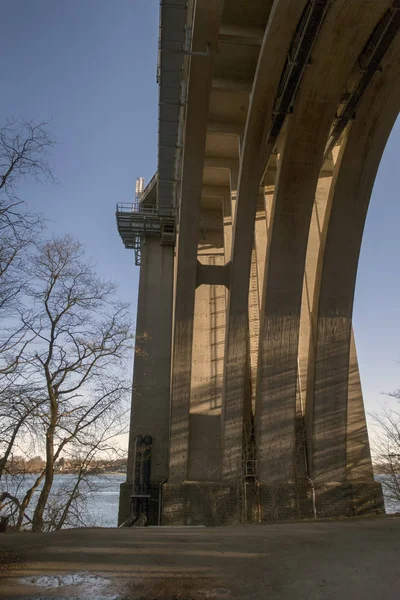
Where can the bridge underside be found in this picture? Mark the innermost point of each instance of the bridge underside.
(247, 376)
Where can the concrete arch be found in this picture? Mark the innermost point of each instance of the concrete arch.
(340, 41)
(254, 157)
(358, 162)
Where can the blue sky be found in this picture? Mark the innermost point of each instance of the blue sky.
(377, 301)
(90, 66)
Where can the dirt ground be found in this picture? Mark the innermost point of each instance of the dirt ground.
(346, 560)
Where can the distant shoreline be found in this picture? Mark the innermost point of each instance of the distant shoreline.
(94, 473)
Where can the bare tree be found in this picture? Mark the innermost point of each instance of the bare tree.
(79, 336)
(20, 406)
(24, 149)
(387, 451)
(63, 342)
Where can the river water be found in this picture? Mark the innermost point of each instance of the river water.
(104, 505)
(102, 500)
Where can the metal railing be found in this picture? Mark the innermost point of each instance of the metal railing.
(147, 211)
(136, 222)
(137, 207)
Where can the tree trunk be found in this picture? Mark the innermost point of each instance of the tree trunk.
(26, 501)
(37, 521)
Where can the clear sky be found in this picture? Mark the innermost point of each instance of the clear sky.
(90, 66)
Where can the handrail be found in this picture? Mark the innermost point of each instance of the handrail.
(139, 208)
(136, 207)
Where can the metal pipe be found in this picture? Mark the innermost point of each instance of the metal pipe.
(313, 497)
(310, 481)
(160, 500)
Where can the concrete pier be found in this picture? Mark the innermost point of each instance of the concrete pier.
(273, 120)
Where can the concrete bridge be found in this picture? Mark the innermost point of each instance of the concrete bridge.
(273, 116)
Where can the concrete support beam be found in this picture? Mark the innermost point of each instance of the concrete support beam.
(335, 51)
(213, 274)
(205, 31)
(254, 156)
(221, 163)
(355, 172)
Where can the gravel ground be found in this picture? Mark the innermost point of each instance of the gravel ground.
(346, 560)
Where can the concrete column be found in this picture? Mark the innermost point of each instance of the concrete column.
(204, 462)
(205, 31)
(287, 244)
(254, 157)
(150, 411)
(229, 220)
(358, 161)
(359, 463)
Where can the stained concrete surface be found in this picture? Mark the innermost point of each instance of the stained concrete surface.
(354, 559)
